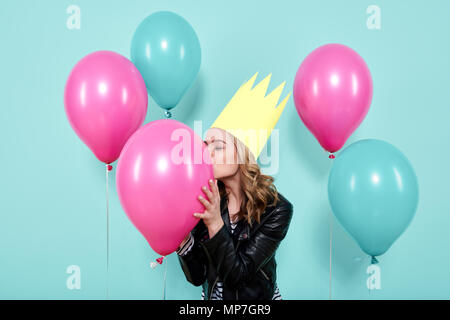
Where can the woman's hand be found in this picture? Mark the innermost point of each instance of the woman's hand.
(212, 216)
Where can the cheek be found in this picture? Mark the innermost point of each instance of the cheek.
(219, 157)
(224, 163)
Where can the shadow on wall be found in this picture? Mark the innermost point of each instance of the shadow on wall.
(305, 149)
(189, 108)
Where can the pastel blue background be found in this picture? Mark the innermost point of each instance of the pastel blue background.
(52, 188)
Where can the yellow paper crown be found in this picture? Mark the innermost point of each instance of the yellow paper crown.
(250, 115)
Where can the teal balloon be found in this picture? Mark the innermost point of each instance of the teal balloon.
(373, 192)
(166, 51)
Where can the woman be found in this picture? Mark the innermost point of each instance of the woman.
(231, 251)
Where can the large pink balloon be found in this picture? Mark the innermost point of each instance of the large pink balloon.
(159, 176)
(332, 93)
(106, 101)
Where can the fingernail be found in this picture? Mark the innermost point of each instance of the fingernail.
(200, 197)
(210, 181)
(204, 188)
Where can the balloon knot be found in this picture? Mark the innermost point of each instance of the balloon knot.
(168, 114)
(109, 167)
(154, 264)
(374, 260)
(331, 156)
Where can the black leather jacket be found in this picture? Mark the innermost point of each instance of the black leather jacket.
(243, 260)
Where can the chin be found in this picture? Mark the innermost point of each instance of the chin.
(217, 176)
(216, 172)
(222, 172)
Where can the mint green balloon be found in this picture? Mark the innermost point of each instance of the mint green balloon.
(373, 192)
(166, 51)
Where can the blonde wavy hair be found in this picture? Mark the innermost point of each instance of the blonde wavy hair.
(258, 189)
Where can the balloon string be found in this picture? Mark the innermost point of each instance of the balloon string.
(330, 224)
(164, 281)
(108, 168)
(368, 284)
(331, 246)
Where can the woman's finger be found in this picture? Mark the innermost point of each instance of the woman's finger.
(199, 215)
(208, 193)
(205, 202)
(214, 188)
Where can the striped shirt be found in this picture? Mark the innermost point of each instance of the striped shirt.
(217, 294)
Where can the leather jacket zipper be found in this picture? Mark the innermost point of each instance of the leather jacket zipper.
(212, 289)
(264, 274)
(217, 278)
(237, 290)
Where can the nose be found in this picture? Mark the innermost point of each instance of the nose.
(211, 150)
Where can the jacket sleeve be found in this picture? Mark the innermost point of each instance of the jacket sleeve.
(237, 268)
(187, 246)
(193, 261)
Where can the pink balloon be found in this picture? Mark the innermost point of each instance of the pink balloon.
(332, 93)
(159, 177)
(106, 102)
